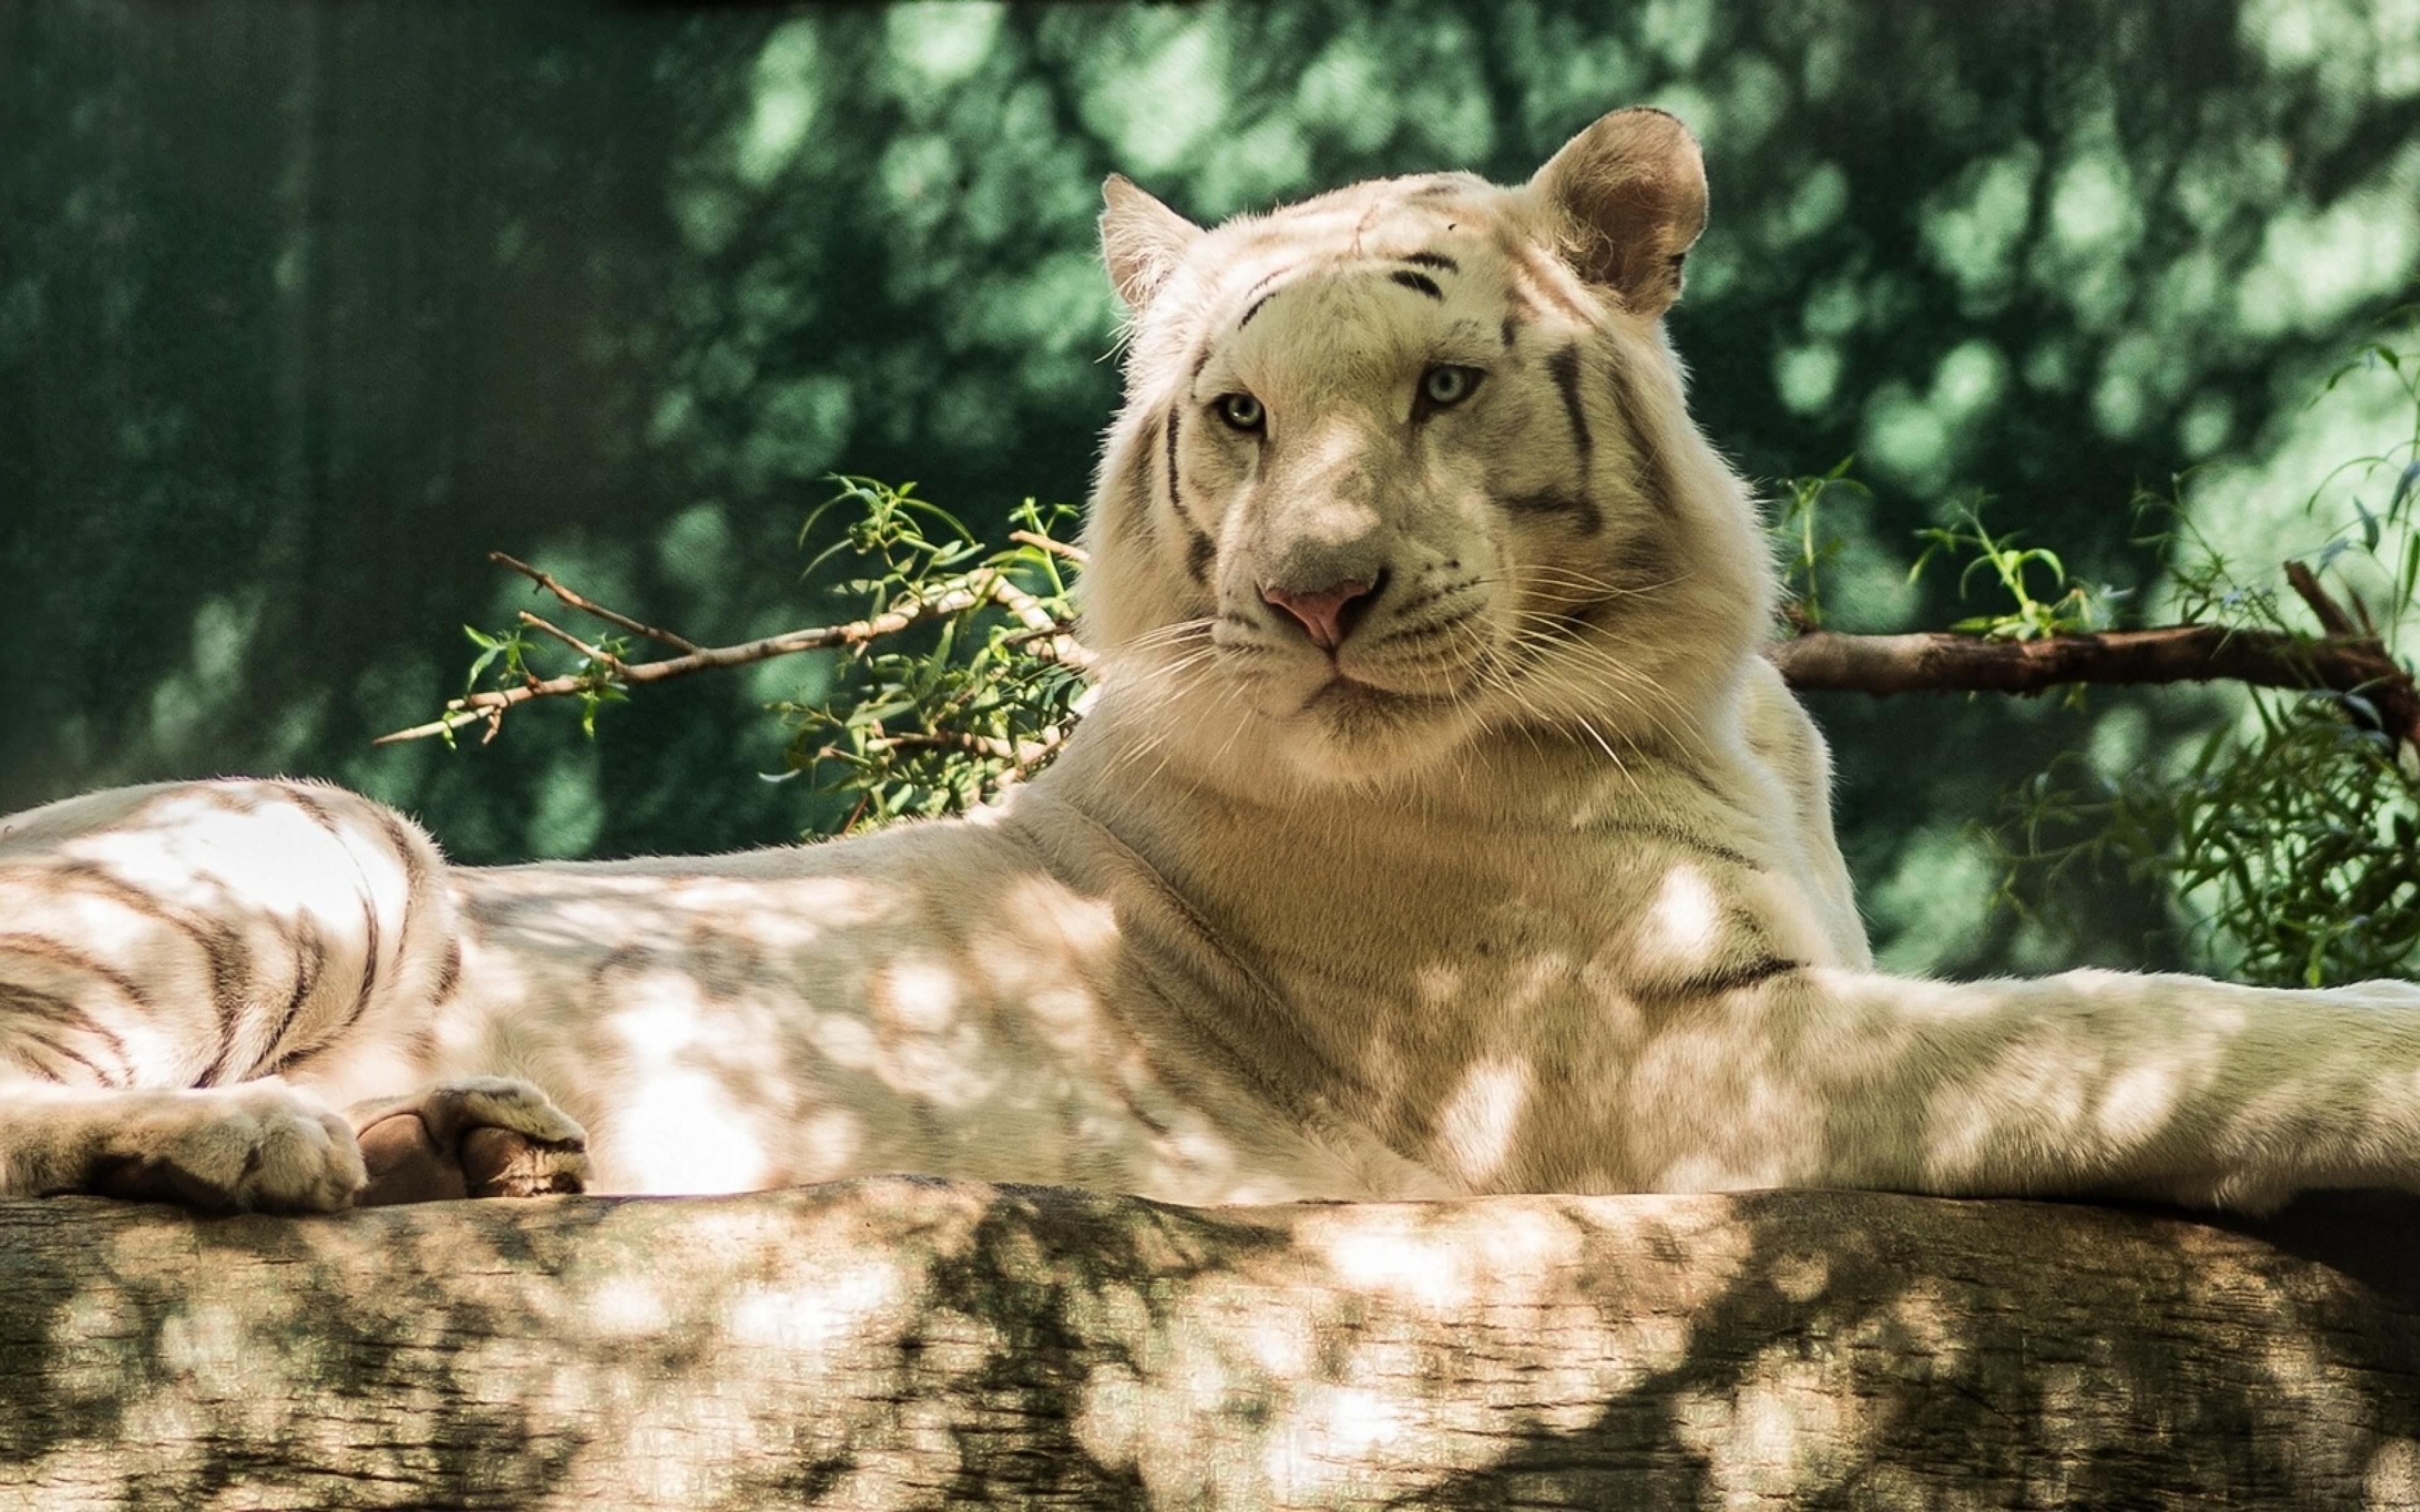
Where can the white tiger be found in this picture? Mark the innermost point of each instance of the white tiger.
(1439, 829)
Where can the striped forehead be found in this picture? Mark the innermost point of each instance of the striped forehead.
(1422, 235)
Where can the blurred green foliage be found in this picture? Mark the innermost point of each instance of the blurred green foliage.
(304, 308)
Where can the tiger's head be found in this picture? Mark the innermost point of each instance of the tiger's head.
(1409, 463)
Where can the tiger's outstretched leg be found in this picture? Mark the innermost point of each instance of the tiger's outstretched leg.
(195, 976)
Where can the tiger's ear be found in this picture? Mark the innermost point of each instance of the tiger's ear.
(1630, 196)
(1141, 239)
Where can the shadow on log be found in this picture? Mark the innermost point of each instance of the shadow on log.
(905, 1343)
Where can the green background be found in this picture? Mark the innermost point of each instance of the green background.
(304, 307)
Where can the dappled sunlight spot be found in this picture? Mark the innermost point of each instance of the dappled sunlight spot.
(625, 1307)
(2254, 512)
(1970, 378)
(1973, 230)
(783, 109)
(941, 44)
(920, 175)
(2094, 208)
(2319, 266)
(918, 995)
(1801, 1279)
(2137, 1102)
(696, 548)
(200, 848)
(2206, 426)
(2341, 39)
(1904, 440)
(1678, 31)
(2136, 372)
(2392, 1477)
(1342, 93)
(673, 1130)
(839, 1309)
(1401, 1260)
(1157, 102)
(1815, 207)
(570, 812)
(1679, 933)
(800, 427)
(1935, 898)
(1807, 377)
(674, 1126)
(1329, 1431)
(183, 703)
(2030, 1095)
(1782, 1431)
(1481, 1116)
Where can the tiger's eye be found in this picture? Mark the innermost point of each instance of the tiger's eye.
(1446, 385)
(1242, 411)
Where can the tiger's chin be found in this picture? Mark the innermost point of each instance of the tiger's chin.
(1349, 733)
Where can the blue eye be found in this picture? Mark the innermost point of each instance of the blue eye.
(1446, 385)
(1241, 411)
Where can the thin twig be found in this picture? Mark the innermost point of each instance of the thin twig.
(595, 654)
(1076, 555)
(588, 606)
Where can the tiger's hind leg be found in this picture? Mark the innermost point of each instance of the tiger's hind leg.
(193, 976)
(258, 1147)
(486, 1137)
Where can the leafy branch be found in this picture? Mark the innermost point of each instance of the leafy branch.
(987, 701)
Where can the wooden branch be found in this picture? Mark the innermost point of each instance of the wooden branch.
(905, 1343)
(2397, 701)
(1939, 662)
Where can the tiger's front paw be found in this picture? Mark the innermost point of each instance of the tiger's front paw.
(258, 1147)
(488, 1136)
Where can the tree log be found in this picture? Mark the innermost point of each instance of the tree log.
(906, 1343)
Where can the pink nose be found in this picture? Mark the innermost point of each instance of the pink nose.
(1322, 613)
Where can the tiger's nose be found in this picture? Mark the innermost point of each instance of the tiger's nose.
(1327, 614)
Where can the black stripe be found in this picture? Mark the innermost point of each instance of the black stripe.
(39, 947)
(1722, 980)
(1549, 502)
(1680, 839)
(1175, 495)
(1419, 283)
(230, 971)
(1254, 308)
(304, 799)
(15, 1053)
(310, 964)
(71, 1017)
(1199, 548)
(1435, 260)
(1511, 326)
(449, 976)
(1564, 363)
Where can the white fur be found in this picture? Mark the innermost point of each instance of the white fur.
(1531, 885)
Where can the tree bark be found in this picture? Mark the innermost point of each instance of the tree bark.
(905, 1343)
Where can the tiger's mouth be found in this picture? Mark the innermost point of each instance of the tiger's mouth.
(1341, 694)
